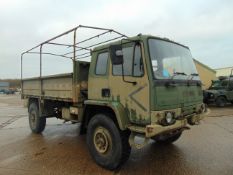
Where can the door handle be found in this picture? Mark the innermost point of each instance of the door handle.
(105, 92)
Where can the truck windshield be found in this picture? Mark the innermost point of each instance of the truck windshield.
(171, 61)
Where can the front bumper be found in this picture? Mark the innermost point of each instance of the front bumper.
(156, 129)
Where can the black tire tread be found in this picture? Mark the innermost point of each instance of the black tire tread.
(123, 136)
(126, 147)
(221, 101)
(41, 121)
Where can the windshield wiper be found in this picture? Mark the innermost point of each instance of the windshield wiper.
(192, 75)
(171, 83)
(177, 73)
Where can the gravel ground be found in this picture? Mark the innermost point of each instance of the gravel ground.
(205, 149)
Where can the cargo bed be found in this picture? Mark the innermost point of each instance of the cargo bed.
(57, 87)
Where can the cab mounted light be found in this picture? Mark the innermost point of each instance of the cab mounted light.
(169, 118)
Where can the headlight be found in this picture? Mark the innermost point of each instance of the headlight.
(170, 118)
(211, 95)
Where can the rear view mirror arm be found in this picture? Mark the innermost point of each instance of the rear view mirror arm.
(123, 73)
(123, 76)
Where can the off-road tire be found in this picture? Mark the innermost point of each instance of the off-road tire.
(221, 101)
(36, 123)
(119, 151)
(167, 139)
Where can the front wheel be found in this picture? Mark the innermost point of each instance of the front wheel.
(108, 145)
(168, 138)
(221, 101)
(36, 123)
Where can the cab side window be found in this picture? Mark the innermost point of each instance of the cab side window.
(101, 64)
(127, 63)
(133, 64)
(138, 63)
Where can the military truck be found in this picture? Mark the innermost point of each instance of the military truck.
(220, 92)
(142, 86)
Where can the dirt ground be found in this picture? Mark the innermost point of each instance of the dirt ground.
(205, 149)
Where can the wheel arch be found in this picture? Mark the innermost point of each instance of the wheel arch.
(38, 102)
(31, 100)
(116, 110)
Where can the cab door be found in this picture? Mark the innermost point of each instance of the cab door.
(98, 81)
(130, 85)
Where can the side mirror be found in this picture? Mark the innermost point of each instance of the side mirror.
(116, 54)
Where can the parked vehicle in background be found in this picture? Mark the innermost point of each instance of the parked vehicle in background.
(220, 92)
(10, 91)
(7, 91)
(4, 87)
(142, 86)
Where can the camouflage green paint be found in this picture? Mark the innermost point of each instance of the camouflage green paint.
(131, 95)
(133, 115)
(224, 90)
(160, 98)
(119, 110)
(175, 97)
(118, 98)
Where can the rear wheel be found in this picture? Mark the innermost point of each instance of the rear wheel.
(36, 123)
(221, 101)
(108, 145)
(168, 138)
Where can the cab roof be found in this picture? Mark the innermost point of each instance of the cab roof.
(139, 37)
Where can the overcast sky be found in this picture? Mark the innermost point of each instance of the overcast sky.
(205, 26)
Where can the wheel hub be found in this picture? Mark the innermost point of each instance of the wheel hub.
(102, 140)
(32, 119)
